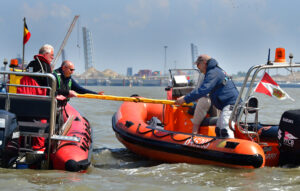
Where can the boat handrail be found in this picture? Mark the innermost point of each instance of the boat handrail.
(239, 108)
(51, 96)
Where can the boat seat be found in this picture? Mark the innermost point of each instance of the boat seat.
(27, 107)
(264, 130)
(252, 105)
(209, 121)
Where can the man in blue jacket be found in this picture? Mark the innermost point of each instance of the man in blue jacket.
(66, 85)
(220, 89)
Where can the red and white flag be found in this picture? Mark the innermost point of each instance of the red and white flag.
(269, 87)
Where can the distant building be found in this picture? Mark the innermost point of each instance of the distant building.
(145, 73)
(156, 73)
(129, 71)
(194, 50)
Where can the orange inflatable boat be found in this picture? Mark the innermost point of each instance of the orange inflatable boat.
(164, 132)
(139, 127)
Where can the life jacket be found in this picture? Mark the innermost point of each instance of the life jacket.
(59, 80)
(40, 58)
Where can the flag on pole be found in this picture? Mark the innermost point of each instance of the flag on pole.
(269, 87)
(26, 33)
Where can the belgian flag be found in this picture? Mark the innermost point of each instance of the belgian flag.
(26, 33)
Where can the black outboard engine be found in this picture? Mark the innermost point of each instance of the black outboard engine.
(9, 138)
(289, 138)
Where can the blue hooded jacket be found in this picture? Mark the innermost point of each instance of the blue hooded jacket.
(221, 95)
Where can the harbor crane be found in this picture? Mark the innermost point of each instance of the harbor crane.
(64, 41)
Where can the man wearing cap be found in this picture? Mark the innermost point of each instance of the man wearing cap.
(203, 107)
(220, 89)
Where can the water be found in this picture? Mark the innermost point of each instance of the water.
(115, 168)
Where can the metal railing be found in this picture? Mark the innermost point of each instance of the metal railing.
(51, 96)
(240, 104)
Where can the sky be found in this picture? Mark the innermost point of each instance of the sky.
(133, 33)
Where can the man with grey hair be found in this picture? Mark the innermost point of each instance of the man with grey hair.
(42, 63)
(221, 90)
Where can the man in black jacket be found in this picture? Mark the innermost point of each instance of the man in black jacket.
(66, 85)
(42, 64)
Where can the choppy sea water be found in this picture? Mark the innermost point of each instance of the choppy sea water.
(115, 168)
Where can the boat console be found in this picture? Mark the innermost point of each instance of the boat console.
(182, 82)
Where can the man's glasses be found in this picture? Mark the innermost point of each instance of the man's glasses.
(199, 62)
(72, 70)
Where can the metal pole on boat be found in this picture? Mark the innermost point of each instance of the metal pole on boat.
(52, 115)
(23, 48)
(5, 62)
(64, 41)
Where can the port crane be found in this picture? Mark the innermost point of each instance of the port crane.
(64, 41)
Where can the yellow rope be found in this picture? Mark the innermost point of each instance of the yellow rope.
(130, 99)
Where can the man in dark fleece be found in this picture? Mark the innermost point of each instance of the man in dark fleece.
(66, 85)
(42, 64)
(221, 90)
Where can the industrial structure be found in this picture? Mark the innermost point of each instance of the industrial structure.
(194, 50)
(88, 48)
(63, 55)
(129, 71)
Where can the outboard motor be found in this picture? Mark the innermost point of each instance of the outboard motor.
(289, 138)
(9, 138)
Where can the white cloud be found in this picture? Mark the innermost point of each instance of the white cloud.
(194, 4)
(163, 3)
(36, 12)
(61, 11)
(236, 4)
(40, 11)
(142, 10)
